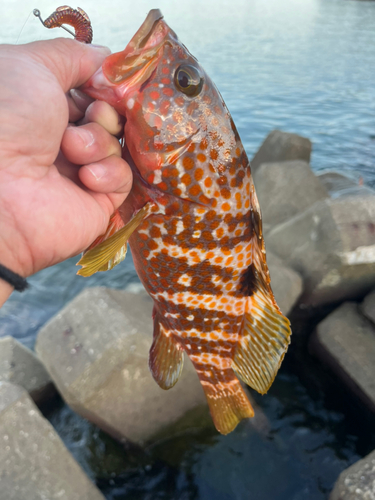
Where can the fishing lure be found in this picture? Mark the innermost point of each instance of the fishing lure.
(77, 18)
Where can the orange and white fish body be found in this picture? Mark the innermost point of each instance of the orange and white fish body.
(193, 224)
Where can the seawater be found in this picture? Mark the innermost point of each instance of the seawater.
(303, 66)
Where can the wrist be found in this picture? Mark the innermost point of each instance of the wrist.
(10, 279)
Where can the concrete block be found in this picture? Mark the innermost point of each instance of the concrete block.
(96, 351)
(332, 245)
(34, 463)
(285, 189)
(357, 482)
(20, 366)
(282, 146)
(368, 307)
(345, 340)
(286, 284)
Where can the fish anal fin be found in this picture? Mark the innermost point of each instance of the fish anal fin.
(265, 337)
(166, 357)
(228, 404)
(110, 249)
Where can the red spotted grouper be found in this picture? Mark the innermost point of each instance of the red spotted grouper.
(193, 224)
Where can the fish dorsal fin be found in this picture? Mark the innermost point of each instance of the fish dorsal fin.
(265, 339)
(107, 251)
(166, 357)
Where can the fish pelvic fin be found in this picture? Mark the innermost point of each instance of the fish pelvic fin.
(227, 402)
(166, 357)
(265, 338)
(109, 249)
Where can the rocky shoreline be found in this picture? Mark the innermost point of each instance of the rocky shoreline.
(320, 238)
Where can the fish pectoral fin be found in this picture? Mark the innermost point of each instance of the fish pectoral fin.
(227, 401)
(265, 339)
(110, 249)
(166, 357)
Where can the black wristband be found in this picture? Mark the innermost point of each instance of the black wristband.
(14, 279)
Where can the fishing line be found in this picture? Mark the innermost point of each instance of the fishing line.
(23, 27)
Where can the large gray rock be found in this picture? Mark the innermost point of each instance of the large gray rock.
(286, 284)
(20, 366)
(345, 340)
(368, 306)
(96, 351)
(332, 245)
(282, 146)
(285, 189)
(34, 463)
(357, 482)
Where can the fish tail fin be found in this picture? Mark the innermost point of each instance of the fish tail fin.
(166, 357)
(109, 249)
(264, 340)
(226, 398)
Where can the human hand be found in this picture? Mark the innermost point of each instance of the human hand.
(58, 185)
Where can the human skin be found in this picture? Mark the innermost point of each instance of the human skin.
(61, 171)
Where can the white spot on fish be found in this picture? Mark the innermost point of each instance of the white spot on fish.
(196, 234)
(130, 103)
(184, 279)
(157, 176)
(179, 227)
(161, 85)
(190, 317)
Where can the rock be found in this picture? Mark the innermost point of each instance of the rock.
(96, 351)
(368, 306)
(357, 482)
(332, 245)
(334, 181)
(339, 185)
(20, 366)
(35, 464)
(345, 340)
(285, 189)
(286, 284)
(282, 146)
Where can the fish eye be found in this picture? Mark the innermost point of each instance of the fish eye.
(188, 80)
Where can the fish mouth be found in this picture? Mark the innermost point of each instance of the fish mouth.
(135, 64)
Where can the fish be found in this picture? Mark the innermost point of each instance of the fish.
(193, 224)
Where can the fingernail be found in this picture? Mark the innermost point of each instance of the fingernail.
(85, 135)
(82, 100)
(101, 48)
(98, 171)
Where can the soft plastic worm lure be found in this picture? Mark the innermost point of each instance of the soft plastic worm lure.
(77, 18)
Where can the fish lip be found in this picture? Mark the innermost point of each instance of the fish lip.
(131, 67)
(144, 33)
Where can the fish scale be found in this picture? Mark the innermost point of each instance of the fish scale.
(193, 224)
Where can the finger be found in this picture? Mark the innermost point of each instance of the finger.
(75, 63)
(102, 113)
(88, 144)
(75, 113)
(111, 176)
(68, 169)
(81, 100)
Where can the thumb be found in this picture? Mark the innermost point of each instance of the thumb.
(70, 61)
